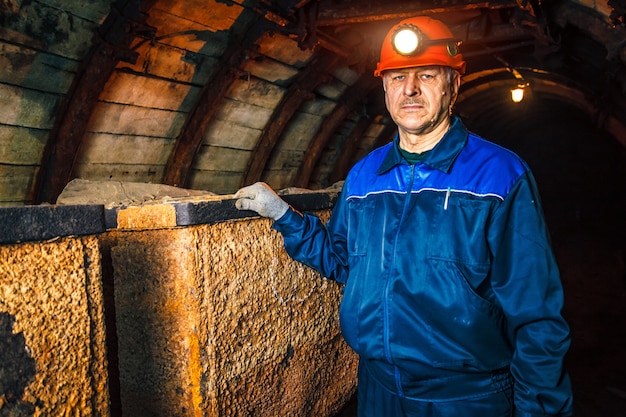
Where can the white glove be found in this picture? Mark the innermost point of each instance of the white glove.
(261, 198)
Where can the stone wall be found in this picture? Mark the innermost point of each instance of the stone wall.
(217, 320)
(52, 334)
(185, 308)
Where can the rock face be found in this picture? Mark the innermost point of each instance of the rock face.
(217, 320)
(53, 360)
(154, 317)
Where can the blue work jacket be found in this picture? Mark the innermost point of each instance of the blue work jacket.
(451, 287)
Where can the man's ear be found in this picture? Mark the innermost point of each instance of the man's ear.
(456, 85)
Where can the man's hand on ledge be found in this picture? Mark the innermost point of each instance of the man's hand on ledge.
(261, 198)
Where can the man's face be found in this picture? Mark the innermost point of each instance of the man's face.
(419, 98)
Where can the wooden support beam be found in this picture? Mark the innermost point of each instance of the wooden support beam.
(357, 12)
(354, 95)
(344, 162)
(346, 158)
(308, 79)
(111, 44)
(386, 136)
(192, 134)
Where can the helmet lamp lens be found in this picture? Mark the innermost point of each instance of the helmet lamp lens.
(406, 41)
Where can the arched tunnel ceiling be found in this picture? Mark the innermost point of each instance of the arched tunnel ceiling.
(217, 94)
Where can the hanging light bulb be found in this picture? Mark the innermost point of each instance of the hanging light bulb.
(517, 94)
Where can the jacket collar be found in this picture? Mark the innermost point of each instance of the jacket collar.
(442, 155)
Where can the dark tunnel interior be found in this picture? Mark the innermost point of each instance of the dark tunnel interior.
(580, 172)
(213, 95)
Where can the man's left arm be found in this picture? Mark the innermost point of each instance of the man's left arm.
(526, 280)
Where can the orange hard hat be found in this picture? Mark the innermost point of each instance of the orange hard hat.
(430, 42)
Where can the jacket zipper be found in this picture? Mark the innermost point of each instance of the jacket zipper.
(386, 290)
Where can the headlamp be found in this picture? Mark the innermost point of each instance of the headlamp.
(409, 40)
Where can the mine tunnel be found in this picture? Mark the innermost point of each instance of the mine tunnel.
(129, 282)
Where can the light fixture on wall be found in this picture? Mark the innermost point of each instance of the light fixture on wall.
(517, 93)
